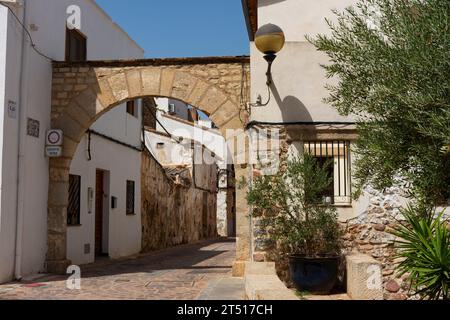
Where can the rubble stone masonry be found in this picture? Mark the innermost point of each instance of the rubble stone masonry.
(173, 213)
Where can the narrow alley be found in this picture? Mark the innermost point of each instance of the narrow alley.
(199, 271)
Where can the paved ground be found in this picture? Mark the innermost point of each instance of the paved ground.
(200, 271)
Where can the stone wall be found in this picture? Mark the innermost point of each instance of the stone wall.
(174, 213)
(217, 87)
(366, 233)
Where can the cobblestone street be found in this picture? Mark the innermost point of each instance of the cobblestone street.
(188, 272)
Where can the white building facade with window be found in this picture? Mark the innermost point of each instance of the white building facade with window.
(306, 124)
(25, 90)
(298, 89)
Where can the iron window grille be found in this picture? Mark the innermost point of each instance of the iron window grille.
(130, 197)
(338, 154)
(74, 208)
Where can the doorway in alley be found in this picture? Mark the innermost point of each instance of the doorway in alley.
(100, 221)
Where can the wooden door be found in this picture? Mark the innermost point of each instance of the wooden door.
(98, 212)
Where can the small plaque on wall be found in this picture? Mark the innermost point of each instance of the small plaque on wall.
(53, 151)
(12, 109)
(33, 127)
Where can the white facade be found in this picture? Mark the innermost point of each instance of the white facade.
(119, 163)
(25, 80)
(298, 78)
(299, 81)
(172, 106)
(199, 131)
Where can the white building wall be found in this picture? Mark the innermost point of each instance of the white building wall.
(9, 90)
(181, 108)
(171, 152)
(105, 40)
(124, 230)
(211, 138)
(298, 79)
(120, 125)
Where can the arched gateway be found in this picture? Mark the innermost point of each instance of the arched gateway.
(84, 91)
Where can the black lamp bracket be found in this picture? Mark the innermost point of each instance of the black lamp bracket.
(270, 58)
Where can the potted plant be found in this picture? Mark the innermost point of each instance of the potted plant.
(294, 212)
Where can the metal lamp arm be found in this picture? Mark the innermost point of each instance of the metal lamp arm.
(270, 59)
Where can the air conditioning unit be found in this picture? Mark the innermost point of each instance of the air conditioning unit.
(172, 110)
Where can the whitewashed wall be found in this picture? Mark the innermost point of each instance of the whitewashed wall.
(299, 80)
(211, 138)
(105, 41)
(124, 230)
(181, 108)
(120, 125)
(9, 88)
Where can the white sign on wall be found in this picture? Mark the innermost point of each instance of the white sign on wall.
(54, 138)
(53, 152)
(53, 142)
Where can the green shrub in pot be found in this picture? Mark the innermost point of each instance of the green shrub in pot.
(293, 210)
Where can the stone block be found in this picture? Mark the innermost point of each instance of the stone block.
(262, 283)
(105, 93)
(58, 194)
(59, 174)
(118, 84)
(79, 114)
(183, 85)
(150, 81)
(57, 219)
(167, 77)
(86, 100)
(69, 147)
(212, 100)
(225, 113)
(260, 268)
(197, 93)
(238, 268)
(364, 277)
(242, 245)
(71, 127)
(236, 123)
(134, 83)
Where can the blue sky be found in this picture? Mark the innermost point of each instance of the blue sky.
(182, 28)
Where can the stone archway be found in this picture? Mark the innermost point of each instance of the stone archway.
(84, 91)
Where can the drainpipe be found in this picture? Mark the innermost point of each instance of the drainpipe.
(22, 110)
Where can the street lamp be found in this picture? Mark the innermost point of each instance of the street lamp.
(269, 39)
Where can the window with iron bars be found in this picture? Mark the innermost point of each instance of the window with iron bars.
(130, 197)
(73, 209)
(338, 154)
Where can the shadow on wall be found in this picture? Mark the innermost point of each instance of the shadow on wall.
(292, 109)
